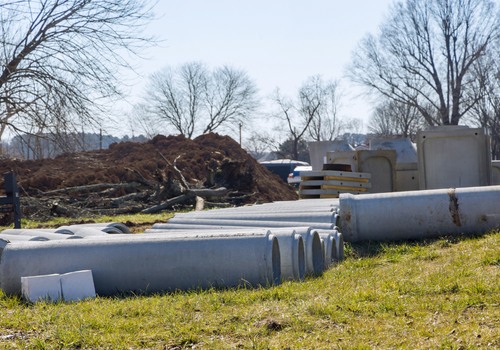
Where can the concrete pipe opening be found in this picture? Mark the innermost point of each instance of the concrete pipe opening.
(340, 246)
(317, 253)
(274, 266)
(301, 263)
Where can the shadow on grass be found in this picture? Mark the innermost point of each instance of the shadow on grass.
(371, 249)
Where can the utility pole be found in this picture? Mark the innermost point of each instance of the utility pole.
(100, 139)
(240, 132)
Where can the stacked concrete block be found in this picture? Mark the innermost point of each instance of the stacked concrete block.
(406, 161)
(380, 164)
(330, 184)
(453, 156)
(318, 150)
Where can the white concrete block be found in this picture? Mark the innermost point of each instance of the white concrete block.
(77, 285)
(453, 156)
(35, 288)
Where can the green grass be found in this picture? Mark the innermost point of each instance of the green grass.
(439, 294)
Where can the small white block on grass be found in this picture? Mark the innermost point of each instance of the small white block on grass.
(77, 285)
(35, 288)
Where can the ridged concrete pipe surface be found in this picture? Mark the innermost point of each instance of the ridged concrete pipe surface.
(419, 214)
(185, 223)
(151, 264)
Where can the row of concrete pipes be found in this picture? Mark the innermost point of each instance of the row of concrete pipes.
(254, 245)
(177, 259)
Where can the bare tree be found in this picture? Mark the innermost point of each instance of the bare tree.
(485, 87)
(424, 54)
(327, 125)
(65, 51)
(392, 118)
(296, 116)
(192, 99)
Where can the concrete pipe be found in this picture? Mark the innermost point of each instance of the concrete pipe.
(151, 264)
(330, 247)
(117, 225)
(419, 214)
(292, 250)
(180, 223)
(328, 217)
(339, 241)
(313, 249)
(292, 253)
(88, 231)
(245, 211)
(312, 243)
(19, 238)
(34, 232)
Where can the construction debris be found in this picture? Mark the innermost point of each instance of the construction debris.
(166, 173)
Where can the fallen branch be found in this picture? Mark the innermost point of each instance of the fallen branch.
(205, 192)
(165, 205)
(221, 205)
(89, 187)
(244, 196)
(176, 170)
(140, 178)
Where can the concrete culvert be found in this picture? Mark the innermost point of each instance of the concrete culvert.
(193, 223)
(291, 253)
(312, 248)
(324, 217)
(117, 225)
(34, 232)
(88, 231)
(330, 246)
(19, 238)
(419, 214)
(150, 264)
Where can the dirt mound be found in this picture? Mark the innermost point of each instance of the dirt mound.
(211, 160)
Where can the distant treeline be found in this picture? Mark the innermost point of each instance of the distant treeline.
(39, 146)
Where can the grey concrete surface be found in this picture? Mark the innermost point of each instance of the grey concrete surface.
(150, 264)
(419, 214)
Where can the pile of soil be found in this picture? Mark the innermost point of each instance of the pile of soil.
(211, 160)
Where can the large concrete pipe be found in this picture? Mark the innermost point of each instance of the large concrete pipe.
(88, 231)
(330, 247)
(151, 264)
(329, 217)
(42, 233)
(419, 214)
(313, 249)
(19, 238)
(183, 223)
(117, 225)
(244, 210)
(292, 248)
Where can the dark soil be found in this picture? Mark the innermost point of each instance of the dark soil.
(230, 165)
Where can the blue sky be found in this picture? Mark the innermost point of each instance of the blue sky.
(278, 42)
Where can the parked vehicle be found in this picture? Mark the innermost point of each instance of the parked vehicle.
(283, 167)
(294, 177)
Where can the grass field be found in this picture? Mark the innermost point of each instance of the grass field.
(438, 294)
